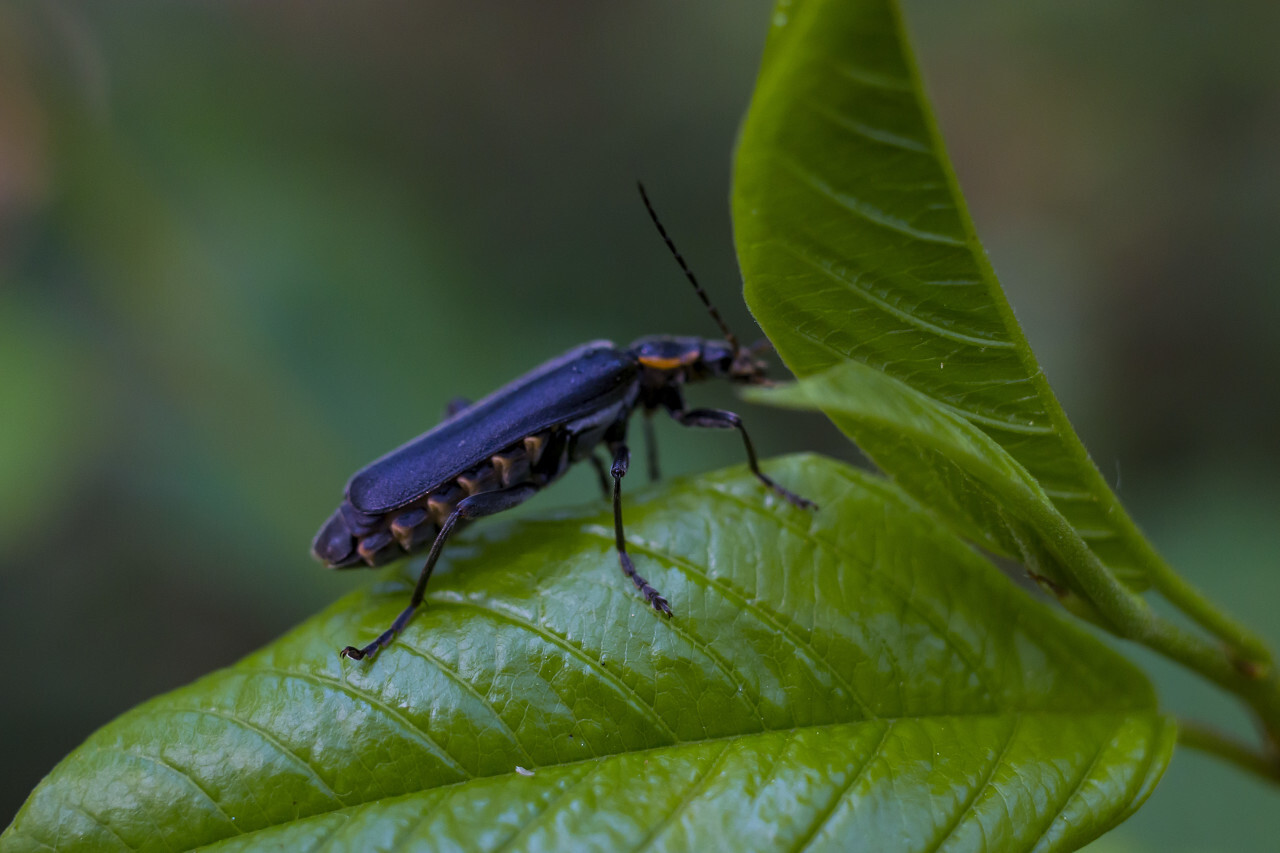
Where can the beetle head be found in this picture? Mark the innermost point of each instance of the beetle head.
(695, 359)
(730, 360)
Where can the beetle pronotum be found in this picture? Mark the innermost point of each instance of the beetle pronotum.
(489, 456)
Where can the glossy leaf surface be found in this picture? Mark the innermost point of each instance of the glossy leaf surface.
(855, 244)
(857, 678)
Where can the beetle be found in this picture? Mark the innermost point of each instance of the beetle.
(489, 456)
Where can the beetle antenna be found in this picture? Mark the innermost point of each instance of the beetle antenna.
(702, 294)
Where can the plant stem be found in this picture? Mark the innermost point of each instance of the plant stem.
(1262, 694)
(1209, 740)
(1250, 649)
(1130, 617)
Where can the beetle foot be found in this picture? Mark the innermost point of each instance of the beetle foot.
(790, 496)
(353, 653)
(794, 499)
(650, 594)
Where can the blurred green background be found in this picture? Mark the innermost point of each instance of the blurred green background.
(247, 247)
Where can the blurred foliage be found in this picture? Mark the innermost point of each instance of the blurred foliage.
(245, 248)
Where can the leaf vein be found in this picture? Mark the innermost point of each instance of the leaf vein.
(862, 209)
(326, 841)
(182, 774)
(821, 820)
(261, 732)
(873, 79)
(467, 686)
(689, 795)
(21, 832)
(533, 820)
(1103, 745)
(747, 605)
(873, 134)
(621, 688)
(853, 286)
(403, 722)
(978, 789)
(405, 835)
(96, 820)
(889, 581)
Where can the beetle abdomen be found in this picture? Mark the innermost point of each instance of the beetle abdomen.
(351, 537)
(334, 545)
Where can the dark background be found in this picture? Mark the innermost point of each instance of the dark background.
(247, 247)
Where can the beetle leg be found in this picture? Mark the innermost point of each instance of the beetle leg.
(621, 461)
(598, 464)
(475, 506)
(457, 404)
(720, 419)
(651, 446)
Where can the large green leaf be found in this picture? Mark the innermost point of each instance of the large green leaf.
(855, 677)
(855, 244)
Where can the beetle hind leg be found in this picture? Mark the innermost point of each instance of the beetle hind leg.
(603, 476)
(475, 506)
(621, 461)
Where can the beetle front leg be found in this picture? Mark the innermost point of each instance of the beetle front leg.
(720, 419)
(475, 506)
(622, 461)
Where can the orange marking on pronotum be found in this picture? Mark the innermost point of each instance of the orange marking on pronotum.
(668, 363)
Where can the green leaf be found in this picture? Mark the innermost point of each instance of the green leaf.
(939, 458)
(857, 678)
(855, 244)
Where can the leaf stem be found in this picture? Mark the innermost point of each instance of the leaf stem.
(1127, 613)
(1209, 740)
(1251, 651)
(1249, 648)
(1130, 617)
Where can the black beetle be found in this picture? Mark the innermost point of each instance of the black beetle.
(490, 456)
